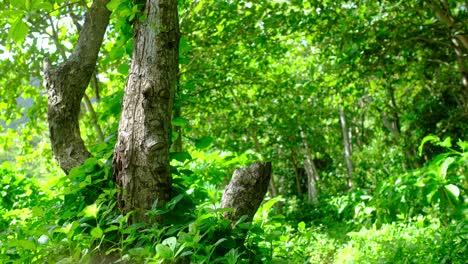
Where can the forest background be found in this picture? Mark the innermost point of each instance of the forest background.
(361, 106)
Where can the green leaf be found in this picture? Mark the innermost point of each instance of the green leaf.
(447, 143)
(463, 145)
(18, 30)
(123, 69)
(301, 225)
(265, 209)
(113, 4)
(26, 244)
(180, 121)
(37, 211)
(164, 251)
(117, 52)
(454, 190)
(204, 142)
(171, 242)
(91, 210)
(426, 139)
(445, 165)
(97, 232)
(174, 136)
(180, 156)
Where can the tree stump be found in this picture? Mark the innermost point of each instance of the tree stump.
(246, 190)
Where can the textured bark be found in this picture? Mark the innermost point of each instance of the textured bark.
(141, 155)
(246, 190)
(66, 85)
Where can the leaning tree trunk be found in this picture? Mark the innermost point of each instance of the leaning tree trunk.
(141, 155)
(66, 86)
(246, 190)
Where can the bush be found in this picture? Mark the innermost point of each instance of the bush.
(410, 243)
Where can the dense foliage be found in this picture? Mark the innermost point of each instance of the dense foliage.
(364, 102)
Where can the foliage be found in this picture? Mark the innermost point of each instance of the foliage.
(258, 80)
(411, 243)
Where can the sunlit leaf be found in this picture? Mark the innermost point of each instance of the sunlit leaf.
(426, 139)
(97, 232)
(171, 242)
(164, 251)
(113, 4)
(18, 30)
(454, 190)
(445, 165)
(91, 210)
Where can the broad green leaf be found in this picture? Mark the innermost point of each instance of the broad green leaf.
(97, 232)
(113, 4)
(204, 142)
(463, 145)
(26, 244)
(454, 190)
(18, 30)
(180, 121)
(123, 69)
(180, 156)
(301, 225)
(174, 136)
(265, 208)
(37, 211)
(91, 210)
(447, 143)
(164, 251)
(171, 242)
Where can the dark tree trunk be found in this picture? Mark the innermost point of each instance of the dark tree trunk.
(141, 155)
(66, 86)
(246, 190)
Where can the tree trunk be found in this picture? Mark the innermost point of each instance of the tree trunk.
(347, 149)
(66, 86)
(141, 155)
(311, 170)
(297, 174)
(246, 190)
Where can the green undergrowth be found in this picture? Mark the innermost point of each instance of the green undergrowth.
(417, 217)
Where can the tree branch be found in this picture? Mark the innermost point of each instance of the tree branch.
(66, 87)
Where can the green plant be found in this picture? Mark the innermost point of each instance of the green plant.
(403, 243)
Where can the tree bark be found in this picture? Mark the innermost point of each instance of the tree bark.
(246, 190)
(66, 86)
(347, 149)
(311, 170)
(297, 174)
(141, 155)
